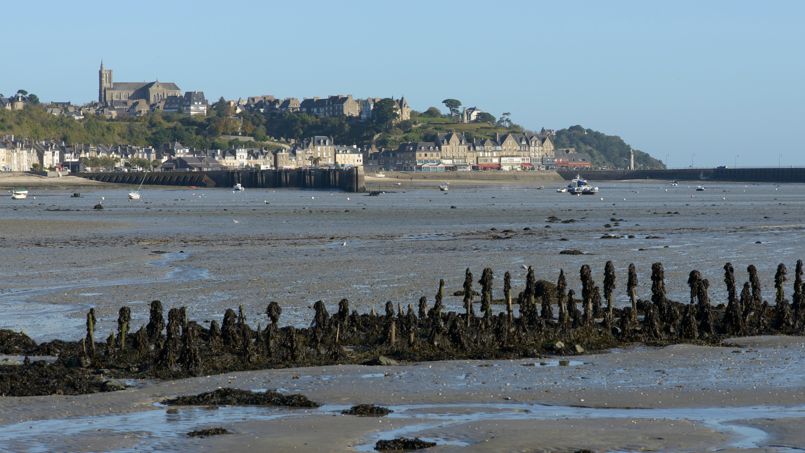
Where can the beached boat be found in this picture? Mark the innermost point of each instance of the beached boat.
(135, 194)
(444, 187)
(580, 186)
(19, 194)
(699, 188)
(562, 190)
(238, 188)
(380, 175)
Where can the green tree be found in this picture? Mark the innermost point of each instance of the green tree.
(485, 117)
(432, 112)
(384, 114)
(453, 105)
(505, 120)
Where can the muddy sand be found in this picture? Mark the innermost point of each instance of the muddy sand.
(749, 394)
(11, 180)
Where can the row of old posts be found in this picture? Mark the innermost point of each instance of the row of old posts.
(346, 179)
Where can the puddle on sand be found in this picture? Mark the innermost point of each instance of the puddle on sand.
(44, 321)
(161, 430)
(725, 420)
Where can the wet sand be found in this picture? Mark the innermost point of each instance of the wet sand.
(212, 249)
(11, 180)
(679, 397)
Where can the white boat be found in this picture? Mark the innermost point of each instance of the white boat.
(380, 175)
(19, 194)
(444, 187)
(674, 184)
(580, 186)
(238, 188)
(699, 188)
(135, 194)
(562, 190)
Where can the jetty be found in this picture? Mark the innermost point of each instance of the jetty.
(346, 179)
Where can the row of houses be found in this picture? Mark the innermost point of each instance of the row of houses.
(329, 107)
(452, 151)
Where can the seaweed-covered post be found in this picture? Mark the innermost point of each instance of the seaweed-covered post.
(486, 292)
(609, 287)
(468, 296)
(423, 308)
(782, 310)
(733, 316)
(705, 315)
(658, 287)
(754, 281)
(229, 329)
(89, 341)
(190, 358)
(438, 305)
(123, 320)
(507, 294)
(530, 287)
(172, 338)
(561, 285)
(694, 279)
(779, 281)
(585, 275)
(631, 288)
(573, 312)
(156, 322)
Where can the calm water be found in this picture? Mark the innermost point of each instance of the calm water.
(211, 249)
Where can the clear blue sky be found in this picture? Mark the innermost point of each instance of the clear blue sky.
(701, 81)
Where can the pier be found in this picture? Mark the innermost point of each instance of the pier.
(758, 174)
(348, 180)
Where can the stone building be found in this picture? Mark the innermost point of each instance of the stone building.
(110, 92)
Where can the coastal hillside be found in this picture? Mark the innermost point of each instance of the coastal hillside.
(222, 128)
(604, 150)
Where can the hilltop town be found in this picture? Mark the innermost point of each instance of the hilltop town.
(157, 126)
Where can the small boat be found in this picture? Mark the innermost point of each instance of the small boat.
(135, 194)
(238, 188)
(699, 188)
(444, 187)
(380, 175)
(562, 190)
(19, 194)
(580, 186)
(675, 183)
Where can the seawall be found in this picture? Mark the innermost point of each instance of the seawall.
(773, 175)
(349, 180)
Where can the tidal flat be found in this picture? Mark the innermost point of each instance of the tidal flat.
(212, 249)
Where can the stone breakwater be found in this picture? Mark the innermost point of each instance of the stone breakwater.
(547, 318)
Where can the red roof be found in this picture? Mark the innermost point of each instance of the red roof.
(489, 166)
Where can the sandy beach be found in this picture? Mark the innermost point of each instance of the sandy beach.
(11, 180)
(748, 394)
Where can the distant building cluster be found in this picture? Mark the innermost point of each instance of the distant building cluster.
(329, 107)
(132, 99)
(452, 151)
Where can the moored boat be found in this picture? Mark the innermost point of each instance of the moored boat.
(19, 194)
(580, 186)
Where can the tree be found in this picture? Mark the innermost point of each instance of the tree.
(453, 105)
(485, 117)
(432, 112)
(505, 120)
(384, 114)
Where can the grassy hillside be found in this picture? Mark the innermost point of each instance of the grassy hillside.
(276, 129)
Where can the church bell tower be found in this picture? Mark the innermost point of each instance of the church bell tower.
(104, 82)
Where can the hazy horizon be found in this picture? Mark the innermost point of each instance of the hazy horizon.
(718, 83)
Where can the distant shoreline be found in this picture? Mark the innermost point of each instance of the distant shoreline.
(412, 180)
(15, 179)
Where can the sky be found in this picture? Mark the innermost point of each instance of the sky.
(700, 83)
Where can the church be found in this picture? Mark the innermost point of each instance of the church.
(111, 93)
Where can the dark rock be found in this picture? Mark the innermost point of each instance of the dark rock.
(207, 432)
(367, 410)
(571, 252)
(403, 444)
(237, 397)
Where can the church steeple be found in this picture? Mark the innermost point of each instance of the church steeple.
(104, 82)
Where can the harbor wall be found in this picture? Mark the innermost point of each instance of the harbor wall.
(349, 180)
(773, 175)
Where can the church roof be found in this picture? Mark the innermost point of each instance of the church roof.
(129, 86)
